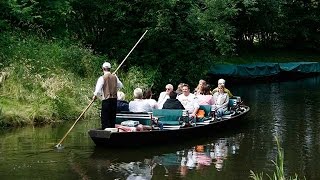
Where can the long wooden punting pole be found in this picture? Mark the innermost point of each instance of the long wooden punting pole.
(130, 52)
(59, 143)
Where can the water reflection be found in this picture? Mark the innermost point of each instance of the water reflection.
(148, 164)
(134, 170)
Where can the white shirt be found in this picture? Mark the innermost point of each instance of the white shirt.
(162, 99)
(99, 90)
(220, 100)
(153, 103)
(139, 105)
(189, 102)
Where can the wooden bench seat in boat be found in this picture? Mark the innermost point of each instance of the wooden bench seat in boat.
(168, 116)
(143, 117)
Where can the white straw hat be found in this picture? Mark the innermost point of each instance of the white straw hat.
(221, 81)
(106, 65)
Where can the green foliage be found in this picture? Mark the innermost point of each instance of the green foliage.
(137, 77)
(43, 82)
(46, 57)
(40, 16)
(300, 24)
(256, 176)
(224, 25)
(216, 24)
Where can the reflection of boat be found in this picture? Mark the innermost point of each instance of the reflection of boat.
(170, 133)
(175, 161)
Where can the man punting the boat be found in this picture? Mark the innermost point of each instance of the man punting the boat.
(106, 89)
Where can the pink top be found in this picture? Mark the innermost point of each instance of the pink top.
(205, 99)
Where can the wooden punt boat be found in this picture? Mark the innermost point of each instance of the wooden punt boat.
(172, 131)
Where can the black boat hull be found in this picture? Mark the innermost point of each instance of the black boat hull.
(160, 137)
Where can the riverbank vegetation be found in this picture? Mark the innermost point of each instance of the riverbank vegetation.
(48, 81)
(51, 51)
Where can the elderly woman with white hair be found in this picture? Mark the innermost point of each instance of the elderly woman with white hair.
(122, 104)
(139, 104)
(221, 83)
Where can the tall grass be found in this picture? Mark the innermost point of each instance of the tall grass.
(137, 77)
(50, 80)
(279, 173)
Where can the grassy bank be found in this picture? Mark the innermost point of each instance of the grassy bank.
(48, 81)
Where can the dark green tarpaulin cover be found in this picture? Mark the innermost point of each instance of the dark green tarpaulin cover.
(258, 69)
(304, 67)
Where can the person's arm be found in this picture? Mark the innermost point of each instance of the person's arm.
(161, 100)
(154, 104)
(211, 101)
(160, 97)
(228, 91)
(196, 108)
(98, 89)
(194, 112)
(119, 83)
(214, 98)
(226, 102)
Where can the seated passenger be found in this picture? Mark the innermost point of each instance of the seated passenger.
(122, 105)
(188, 100)
(221, 82)
(147, 96)
(199, 89)
(221, 100)
(205, 98)
(173, 102)
(138, 104)
(179, 89)
(164, 95)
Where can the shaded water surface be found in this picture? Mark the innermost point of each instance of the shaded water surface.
(289, 109)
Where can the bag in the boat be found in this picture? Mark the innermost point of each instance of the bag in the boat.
(200, 113)
(130, 123)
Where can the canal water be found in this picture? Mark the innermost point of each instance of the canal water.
(288, 110)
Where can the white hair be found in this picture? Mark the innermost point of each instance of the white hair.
(121, 95)
(137, 93)
(169, 86)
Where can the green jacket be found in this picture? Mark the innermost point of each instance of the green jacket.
(225, 90)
